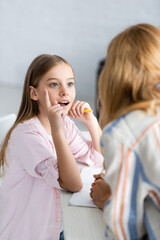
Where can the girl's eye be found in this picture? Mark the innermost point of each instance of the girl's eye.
(53, 84)
(70, 84)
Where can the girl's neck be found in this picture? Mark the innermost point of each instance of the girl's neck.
(45, 122)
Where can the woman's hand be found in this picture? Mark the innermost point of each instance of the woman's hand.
(76, 111)
(100, 191)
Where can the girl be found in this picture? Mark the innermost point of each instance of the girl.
(40, 149)
(130, 115)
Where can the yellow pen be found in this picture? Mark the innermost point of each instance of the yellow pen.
(87, 110)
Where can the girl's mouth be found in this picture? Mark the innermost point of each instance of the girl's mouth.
(63, 103)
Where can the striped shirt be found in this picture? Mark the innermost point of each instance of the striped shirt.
(131, 146)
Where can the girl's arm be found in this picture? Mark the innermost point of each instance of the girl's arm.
(95, 132)
(77, 112)
(68, 170)
(69, 175)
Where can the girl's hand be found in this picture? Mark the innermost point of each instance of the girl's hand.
(90, 121)
(76, 111)
(54, 113)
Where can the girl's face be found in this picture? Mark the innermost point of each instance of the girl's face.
(59, 81)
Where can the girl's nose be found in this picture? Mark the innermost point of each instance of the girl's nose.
(63, 91)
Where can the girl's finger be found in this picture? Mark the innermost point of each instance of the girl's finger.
(57, 108)
(47, 100)
(76, 108)
(55, 102)
(70, 114)
(73, 109)
(83, 106)
(80, 108)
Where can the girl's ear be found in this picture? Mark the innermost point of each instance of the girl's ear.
(33, 93)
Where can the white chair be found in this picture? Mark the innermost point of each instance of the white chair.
(6, 123)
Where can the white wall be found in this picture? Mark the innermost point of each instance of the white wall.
(78, 30)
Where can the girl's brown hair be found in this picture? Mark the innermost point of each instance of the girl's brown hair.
(131, 74)
(28, 107)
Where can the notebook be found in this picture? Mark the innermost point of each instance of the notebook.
(82, 198)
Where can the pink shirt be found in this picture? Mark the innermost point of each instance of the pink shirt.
(29, 196)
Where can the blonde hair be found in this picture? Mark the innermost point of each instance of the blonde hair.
(29, 108)
(131, 73)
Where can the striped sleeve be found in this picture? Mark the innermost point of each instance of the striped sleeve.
(121, 212)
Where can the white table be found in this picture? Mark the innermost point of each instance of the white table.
(81, 223)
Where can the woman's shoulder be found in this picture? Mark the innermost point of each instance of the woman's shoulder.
(130, 125)
(116, 124)
(130, 120)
